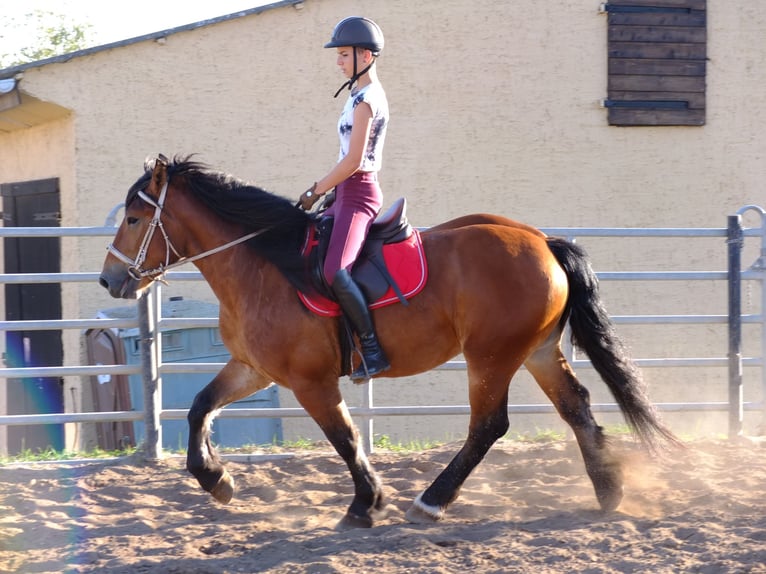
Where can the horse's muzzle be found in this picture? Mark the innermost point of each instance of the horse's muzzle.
(122, 287)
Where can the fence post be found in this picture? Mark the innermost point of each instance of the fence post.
(148, 317)
(735, 240)
(368, 435)
(759, 267)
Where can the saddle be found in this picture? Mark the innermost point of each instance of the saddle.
(390, 268)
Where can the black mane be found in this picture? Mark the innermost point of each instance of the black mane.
(283, 224)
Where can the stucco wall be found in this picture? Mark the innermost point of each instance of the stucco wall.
(495, 108)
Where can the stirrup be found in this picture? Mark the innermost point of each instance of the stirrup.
(363, 374)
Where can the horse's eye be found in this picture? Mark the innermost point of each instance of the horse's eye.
(132, 220)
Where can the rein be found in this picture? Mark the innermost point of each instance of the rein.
(135, 265)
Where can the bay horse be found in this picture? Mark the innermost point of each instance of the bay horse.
(499, 292)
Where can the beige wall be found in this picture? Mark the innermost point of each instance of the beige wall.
(495, 107)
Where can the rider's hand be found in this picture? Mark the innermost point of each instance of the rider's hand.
(309, 198)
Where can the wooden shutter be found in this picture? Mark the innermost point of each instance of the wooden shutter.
(657, 60)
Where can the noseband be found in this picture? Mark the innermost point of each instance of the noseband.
(135, 266)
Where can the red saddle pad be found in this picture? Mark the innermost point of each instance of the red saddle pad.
(406, 262)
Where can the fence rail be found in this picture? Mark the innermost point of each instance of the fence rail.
(152, 414)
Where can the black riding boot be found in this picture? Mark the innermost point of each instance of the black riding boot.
(354, 306)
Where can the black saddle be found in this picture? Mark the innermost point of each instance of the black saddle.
(369, 271)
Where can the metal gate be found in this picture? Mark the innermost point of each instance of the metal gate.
(152, 369)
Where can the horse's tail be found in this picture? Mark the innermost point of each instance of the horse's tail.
(593, 332)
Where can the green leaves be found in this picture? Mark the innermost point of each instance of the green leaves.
(48, 34)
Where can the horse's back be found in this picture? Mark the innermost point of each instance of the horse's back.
(488, 246)
(491, 244)
(486, 219)
(495, 264)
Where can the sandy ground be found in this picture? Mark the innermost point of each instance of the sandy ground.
(527, 508)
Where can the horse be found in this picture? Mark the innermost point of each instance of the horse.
(500, 292)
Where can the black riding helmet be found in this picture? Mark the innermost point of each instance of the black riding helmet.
(357, 32)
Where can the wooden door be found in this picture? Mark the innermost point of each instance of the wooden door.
(33, 204)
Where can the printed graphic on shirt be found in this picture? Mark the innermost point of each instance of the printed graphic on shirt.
(375, 97)
(375, 145)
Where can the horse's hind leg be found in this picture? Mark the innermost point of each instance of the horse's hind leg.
(235, 381)
(572, 401)
(488, 395)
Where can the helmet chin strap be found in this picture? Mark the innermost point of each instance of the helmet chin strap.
(350, 83)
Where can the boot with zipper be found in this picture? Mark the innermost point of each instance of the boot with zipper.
(354, 306)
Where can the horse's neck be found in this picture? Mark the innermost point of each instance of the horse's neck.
(237, 272)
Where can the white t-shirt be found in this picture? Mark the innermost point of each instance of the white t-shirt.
(375, 97)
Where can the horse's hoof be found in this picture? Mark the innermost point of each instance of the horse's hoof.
(421, 513)
(610, 500)
(351, 521)
(223, 491)
(608, 485)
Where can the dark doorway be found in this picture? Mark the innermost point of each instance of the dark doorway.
(33, 204)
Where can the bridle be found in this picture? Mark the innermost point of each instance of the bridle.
(135, 266)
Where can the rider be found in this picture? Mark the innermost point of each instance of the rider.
(362, 130)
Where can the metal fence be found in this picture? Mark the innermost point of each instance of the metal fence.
(151, 323)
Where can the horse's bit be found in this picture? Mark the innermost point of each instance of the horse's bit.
(135, 265)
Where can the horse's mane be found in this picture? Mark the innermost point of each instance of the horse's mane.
(233, 200)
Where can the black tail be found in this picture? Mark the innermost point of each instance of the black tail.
(593, 332)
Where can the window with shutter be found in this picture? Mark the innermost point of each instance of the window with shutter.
(657, 60)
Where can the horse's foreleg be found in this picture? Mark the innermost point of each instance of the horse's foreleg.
(234, 382)
(572, 401)
(328, 409)
(489, 422)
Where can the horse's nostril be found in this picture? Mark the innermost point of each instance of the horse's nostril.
(103, 282)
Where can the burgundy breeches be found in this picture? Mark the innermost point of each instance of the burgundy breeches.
(357, 202)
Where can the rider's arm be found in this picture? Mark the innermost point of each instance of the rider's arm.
(352, 161)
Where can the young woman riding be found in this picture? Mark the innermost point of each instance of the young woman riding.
(358, 196)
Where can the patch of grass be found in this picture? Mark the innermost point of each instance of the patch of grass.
(297, 444)
(51, 454)
(540, 435)
(385, 442)
(621, 429)
(303, 444)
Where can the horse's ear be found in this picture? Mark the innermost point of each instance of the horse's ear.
(151, 161)
(159, 174)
